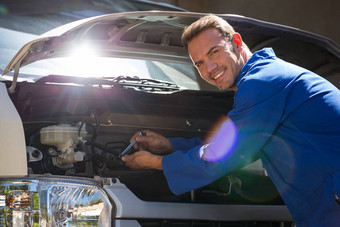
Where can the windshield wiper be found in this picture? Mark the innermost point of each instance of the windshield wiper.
(136, 83)
(143, 84)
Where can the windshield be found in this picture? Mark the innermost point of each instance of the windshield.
(183, 75)
(85, 63)
(16, 31)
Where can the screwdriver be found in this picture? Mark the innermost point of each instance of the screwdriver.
(128, 148)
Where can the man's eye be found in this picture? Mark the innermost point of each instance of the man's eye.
(214, 52)
(198, 65)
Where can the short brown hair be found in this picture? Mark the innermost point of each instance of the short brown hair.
(209, 21)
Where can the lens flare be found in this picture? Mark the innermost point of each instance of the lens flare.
(221, 143)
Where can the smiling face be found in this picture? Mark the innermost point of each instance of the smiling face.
(218, 60)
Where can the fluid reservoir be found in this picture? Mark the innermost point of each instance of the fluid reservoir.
(62, 136)
(13, 160)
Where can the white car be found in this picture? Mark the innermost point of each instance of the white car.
(72, 98)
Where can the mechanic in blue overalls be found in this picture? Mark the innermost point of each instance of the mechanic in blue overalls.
(286, 115)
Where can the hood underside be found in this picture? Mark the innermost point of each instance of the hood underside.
(157, 35)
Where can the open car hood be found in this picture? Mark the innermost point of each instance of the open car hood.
(157, 35)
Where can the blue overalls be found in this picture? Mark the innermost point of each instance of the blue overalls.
(287, 116)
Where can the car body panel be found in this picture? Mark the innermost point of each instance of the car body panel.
(130, 205)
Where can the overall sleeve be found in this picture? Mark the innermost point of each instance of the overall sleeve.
(179, 143)
(257, 112)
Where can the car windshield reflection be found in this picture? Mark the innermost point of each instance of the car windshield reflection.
(90, 66)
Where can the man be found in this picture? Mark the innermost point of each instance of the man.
(285, 115)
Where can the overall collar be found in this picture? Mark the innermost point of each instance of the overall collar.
(265, 53)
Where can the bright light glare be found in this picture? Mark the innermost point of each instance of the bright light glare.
(222, 143)
(81, 58)
(86, 62)
(83, 52)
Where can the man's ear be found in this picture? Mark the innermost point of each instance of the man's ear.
(237, 40)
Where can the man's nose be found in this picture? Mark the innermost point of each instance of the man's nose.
(210, 66)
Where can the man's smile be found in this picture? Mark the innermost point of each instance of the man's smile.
(218, 75)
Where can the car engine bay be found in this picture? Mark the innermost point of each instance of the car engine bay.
(82, 130)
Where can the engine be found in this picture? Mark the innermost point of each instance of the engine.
(68, 148)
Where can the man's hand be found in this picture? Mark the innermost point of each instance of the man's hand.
(143, 160)
(152, 142)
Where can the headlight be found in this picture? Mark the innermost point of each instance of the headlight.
(53, 202)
